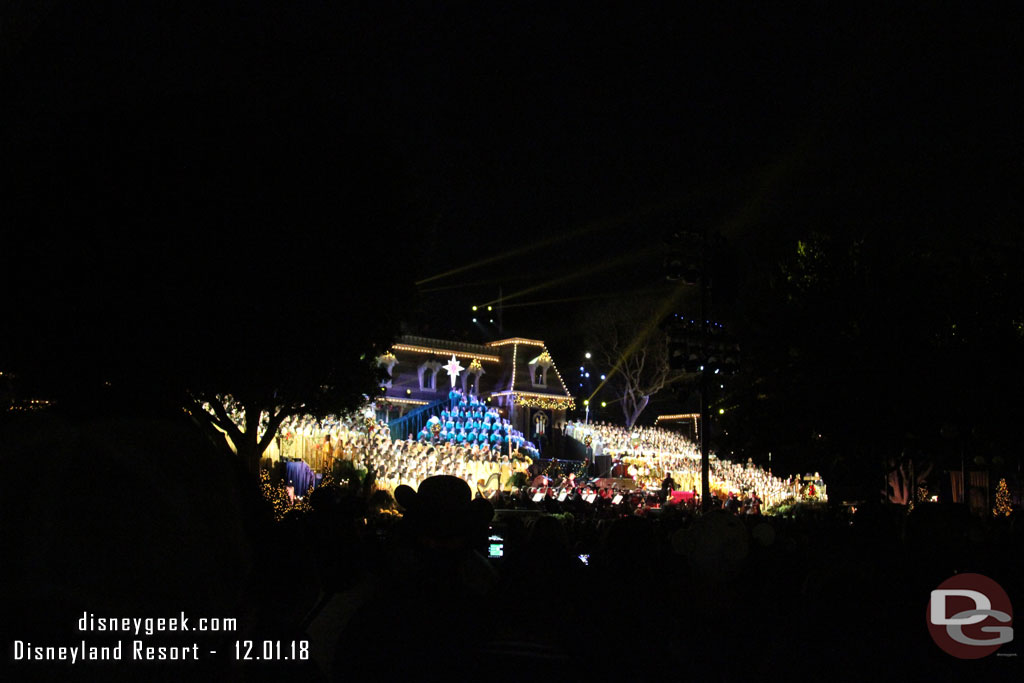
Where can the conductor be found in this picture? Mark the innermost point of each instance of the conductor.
(668, 485)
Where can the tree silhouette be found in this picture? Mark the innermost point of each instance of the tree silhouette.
(863, 344)
(628, 338)
(200, 214)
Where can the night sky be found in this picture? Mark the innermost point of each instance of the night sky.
(170, 154)
(239, 194)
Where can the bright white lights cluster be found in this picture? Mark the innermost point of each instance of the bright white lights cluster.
(405, 401)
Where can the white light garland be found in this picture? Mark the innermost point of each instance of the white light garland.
(516, 340)
(536, 394)
(564, 385)
(681, 416)
(445, 352)
(515, 351)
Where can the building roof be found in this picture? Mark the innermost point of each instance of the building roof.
(506, 364)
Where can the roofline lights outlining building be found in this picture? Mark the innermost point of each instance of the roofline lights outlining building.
(516, 375)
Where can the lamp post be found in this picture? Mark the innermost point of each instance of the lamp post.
(705, 418)
(708, 356)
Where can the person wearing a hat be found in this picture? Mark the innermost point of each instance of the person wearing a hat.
(429, 595)
(443, 508)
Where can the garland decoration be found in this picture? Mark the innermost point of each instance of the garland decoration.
(1002, 506)
(546, 403)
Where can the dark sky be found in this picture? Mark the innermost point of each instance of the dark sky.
(178, 143)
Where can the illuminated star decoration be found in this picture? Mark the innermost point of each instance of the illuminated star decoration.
(453, 369)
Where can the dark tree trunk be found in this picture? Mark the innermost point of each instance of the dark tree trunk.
(250, 456)
(246, 444)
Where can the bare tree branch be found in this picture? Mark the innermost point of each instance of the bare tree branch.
(226, 423)
(207, 423)
(272, 427)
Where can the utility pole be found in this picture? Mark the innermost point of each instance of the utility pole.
(705, 419)
(712, 353)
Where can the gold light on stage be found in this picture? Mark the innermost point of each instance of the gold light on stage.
(474, 308)
(489, 308)
(586, 401)
(604, 404)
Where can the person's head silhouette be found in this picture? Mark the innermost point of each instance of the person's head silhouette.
(443, 512)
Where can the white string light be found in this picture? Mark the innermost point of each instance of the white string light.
(516, 340)
(565, 387)
(408, 401)
(515, 351)
(681, 416)
(446, 352)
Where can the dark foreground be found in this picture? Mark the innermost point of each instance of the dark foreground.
(153, 524)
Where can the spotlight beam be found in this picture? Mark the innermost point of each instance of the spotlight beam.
(625, 259)
(553, 239)
(478, 283)
(556, 301)
(586, 297)
(599, 225)
(667, 305)
(746, 215)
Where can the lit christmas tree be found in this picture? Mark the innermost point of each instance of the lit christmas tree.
(1002, 500)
